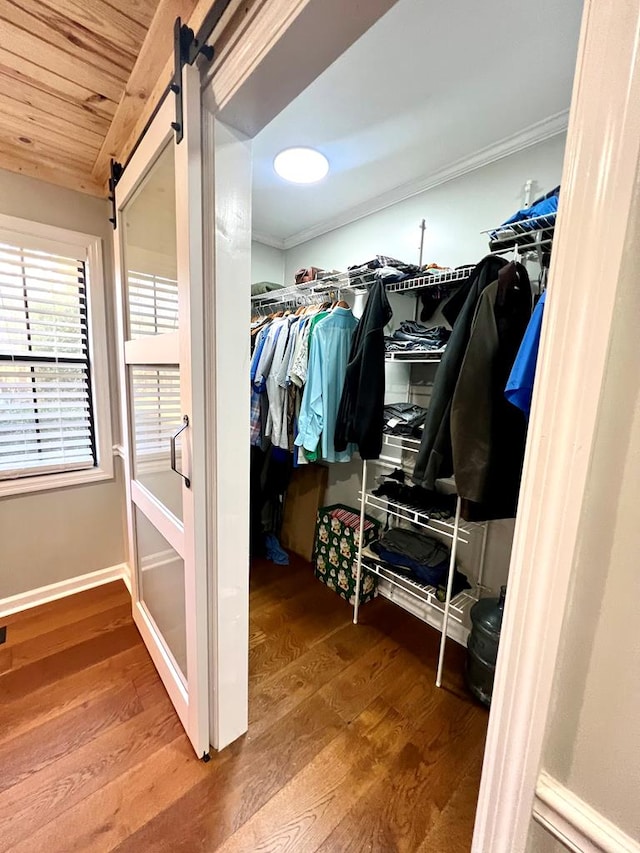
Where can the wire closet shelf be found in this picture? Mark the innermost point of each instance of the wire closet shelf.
(339, 283)
(525, 235)
(422, 593)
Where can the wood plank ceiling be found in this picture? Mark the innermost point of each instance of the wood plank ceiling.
(74, 77)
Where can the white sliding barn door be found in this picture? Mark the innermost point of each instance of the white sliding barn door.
(158, 242)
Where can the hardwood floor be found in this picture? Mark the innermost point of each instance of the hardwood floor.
(350, 746)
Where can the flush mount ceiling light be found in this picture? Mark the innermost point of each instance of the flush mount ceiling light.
(301, 165)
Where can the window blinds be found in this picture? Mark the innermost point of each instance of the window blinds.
(46, 413)
(156, 410)
(153, 304)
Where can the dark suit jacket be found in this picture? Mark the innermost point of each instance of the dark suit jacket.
(435, 457)
(487, 432)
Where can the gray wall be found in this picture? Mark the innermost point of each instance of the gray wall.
(51, 536)
(267, 263)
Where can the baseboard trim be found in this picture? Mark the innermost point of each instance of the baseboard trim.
(574, 823)
(45, 594)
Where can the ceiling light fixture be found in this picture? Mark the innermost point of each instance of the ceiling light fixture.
(301, 165)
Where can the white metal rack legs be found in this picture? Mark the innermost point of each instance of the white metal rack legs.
(447, 602)
(483, 553)
(356, 606)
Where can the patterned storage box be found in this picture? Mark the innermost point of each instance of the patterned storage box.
(336, 551)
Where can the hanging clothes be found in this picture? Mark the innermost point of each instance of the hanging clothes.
(262, 359)
(487, 433)
(435, 456)
(275, 392)
(360, 417)
(256, 419)
(519, 390)
(328, 356)
(301, 369)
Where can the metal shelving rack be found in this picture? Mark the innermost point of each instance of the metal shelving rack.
(421, 599)
(431, 610)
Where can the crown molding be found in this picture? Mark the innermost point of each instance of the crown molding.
(532, 135)
(267, 240)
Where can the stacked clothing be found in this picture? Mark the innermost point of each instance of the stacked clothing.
(528, 219)
(419, 556)
(433, 505)
(404, 419)
(382, 268)
(413, 337)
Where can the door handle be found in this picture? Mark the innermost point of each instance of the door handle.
(185, 424)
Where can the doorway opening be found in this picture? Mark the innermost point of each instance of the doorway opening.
(434, 163)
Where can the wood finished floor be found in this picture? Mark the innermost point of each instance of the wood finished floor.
(350, 747)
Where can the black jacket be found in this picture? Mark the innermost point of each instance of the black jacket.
(435, 457)
(487, 432)
(360, 414)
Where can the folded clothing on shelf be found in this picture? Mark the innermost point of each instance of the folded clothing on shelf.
(411, 336)
(431, 504)
(404, 419)
(434, 269)
(460, 583)
(383, 267)
(528, 219)
(262, 287)
(422, 556)
(307, 274)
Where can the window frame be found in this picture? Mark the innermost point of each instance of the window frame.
(45, 237)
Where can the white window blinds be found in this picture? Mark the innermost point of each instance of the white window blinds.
(153, 304)
(46, 412)
(156, 410)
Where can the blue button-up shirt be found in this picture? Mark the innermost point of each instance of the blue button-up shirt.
(325, 379)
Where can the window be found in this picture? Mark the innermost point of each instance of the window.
(54, 427)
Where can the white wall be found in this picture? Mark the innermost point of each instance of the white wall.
(267, 263)
(51, 536)
(456, 213)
